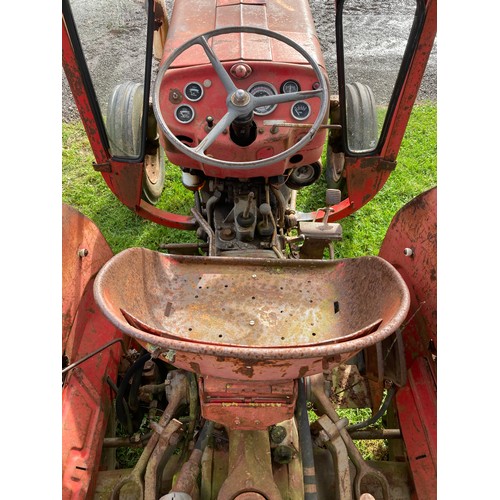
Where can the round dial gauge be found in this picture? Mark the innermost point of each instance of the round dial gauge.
(184, 113)
(261, 89)
(290, 86)
(301, 110)
(193, 91)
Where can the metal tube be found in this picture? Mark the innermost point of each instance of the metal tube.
(190, 470)
(306, 446)
(282, 204)
(119, 442)
(212, 249)
(210, 204)
(88, 356)
(380, 412)
(376, 434)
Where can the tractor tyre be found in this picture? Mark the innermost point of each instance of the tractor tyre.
(124, 119)
(124, 127)
(362, 129)
(362, 133)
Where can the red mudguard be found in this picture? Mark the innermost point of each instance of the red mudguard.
(410, 246)
(86, 396)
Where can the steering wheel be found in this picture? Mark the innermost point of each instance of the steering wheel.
(239, 102)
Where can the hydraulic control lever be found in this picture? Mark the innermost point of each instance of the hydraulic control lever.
(319, 235)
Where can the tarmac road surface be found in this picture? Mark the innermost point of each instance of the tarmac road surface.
(375, 35)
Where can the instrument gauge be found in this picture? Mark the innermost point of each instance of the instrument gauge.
(261, 89)
(301, 110)
(184, 113)
(289, 86)
(193, 91)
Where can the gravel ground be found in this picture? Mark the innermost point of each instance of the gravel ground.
(374, 43)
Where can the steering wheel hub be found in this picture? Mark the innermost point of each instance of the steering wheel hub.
(240, 98)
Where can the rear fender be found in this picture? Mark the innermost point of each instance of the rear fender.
(86, 397)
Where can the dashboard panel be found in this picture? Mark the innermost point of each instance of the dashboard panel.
(193, 100)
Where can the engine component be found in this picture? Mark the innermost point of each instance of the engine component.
(265, 226)
(246, 218)
(191, 181)
(304, 176)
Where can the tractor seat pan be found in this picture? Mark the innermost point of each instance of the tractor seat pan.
(249, 308)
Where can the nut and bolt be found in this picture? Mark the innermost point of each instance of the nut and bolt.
(252, 322)
(175, 96)
(240, 98)
(408, 252)
(241, 70)
(277, 434)
(83, 252)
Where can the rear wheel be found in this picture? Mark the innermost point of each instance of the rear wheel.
(124, 127)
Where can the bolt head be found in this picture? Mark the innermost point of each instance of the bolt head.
(240, 98)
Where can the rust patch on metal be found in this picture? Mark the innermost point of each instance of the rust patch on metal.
(195, 367)
(239, 314)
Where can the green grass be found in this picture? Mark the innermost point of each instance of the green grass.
(85, 189)
(416, 171)
(363, 231)
(370, 449)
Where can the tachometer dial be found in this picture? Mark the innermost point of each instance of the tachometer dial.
(261, 89)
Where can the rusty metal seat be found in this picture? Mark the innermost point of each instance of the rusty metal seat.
(215, 315)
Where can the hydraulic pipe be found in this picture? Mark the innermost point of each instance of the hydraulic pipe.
(190, 470)
(306, 446)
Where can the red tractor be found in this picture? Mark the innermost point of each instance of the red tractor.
(209, 355)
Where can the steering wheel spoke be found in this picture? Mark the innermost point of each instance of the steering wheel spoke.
(280, 98)
(217, 65)
(219, 127)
